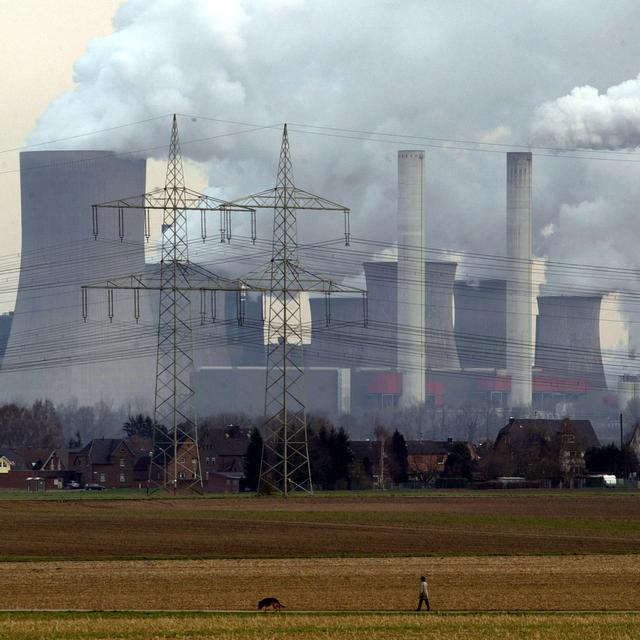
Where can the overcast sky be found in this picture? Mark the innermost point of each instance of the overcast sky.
(491, 71)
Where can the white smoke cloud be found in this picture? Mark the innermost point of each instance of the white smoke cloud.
(588, 119)
(384, 69)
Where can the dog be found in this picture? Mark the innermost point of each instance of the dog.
(270, 603)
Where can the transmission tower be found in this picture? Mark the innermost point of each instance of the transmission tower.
(174, 459)
(285, 459)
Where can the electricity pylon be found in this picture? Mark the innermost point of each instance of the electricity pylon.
(285, 459)
(174, 459)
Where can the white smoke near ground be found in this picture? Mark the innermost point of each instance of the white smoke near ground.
(588, 119)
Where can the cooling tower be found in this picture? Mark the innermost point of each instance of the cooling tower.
(411, 277)
(244, 338)
(519, 285)
(628, 390)
(380, 335)
(51, 352)
(568, 339)
(441, 346)
(343, 342)
(382, 295)
(480, 326)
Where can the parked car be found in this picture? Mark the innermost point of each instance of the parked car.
(94, 487)
(74, 484)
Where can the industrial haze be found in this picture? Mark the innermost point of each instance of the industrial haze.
(480, 329)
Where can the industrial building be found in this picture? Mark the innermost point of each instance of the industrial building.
(429, 338)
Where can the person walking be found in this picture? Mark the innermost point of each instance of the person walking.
(424, 594)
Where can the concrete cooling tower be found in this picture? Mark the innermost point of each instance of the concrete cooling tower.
(568, 339)
(341, 343)
(244, 340)
(51, 353)
(382, 338)
(481, 332)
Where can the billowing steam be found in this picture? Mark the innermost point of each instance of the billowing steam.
(587, 119)
(422, 68)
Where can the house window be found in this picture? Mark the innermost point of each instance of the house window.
(122, 462)
(194, 460)
(123, 477)
(103, 477)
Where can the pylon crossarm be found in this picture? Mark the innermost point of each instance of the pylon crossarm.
(160, 199)
(300, 281)
(177, 198)
(195, 278)
(295, 199)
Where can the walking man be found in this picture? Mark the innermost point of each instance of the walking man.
(424, 594)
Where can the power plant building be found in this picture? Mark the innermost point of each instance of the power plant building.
(429, 338)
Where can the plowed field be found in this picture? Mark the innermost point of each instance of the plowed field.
(273, 528)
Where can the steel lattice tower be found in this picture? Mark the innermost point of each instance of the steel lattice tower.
(285, 460)
(174, 459)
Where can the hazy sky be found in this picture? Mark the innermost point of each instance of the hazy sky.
(489, 71)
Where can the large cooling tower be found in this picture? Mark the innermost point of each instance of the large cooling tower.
(519, 278)
(568, 338)
(51, 352)
(481, 312)
(244, 329)
(343, 341)
(411, 278)
(382, 294)
(441, 346)
(380, 335)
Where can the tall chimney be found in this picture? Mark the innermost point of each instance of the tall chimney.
(411, 277)
(519, 286)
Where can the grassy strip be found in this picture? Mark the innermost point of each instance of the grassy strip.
(136, 494)
(374, 626)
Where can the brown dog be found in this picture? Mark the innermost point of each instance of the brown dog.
(270, 603)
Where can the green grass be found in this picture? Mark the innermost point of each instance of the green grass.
(328, 626)
(135, 494)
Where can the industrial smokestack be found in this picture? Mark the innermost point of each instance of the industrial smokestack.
(519, 285)
(411, 277)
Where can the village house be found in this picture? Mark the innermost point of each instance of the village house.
(569, 438)
(106, 461)
(426, 459)
(18, 466)
(222, 455)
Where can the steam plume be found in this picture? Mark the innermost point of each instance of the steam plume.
(588, 119)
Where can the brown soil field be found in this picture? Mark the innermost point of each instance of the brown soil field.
(530, 583)
(303, 527)
(618, 626)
